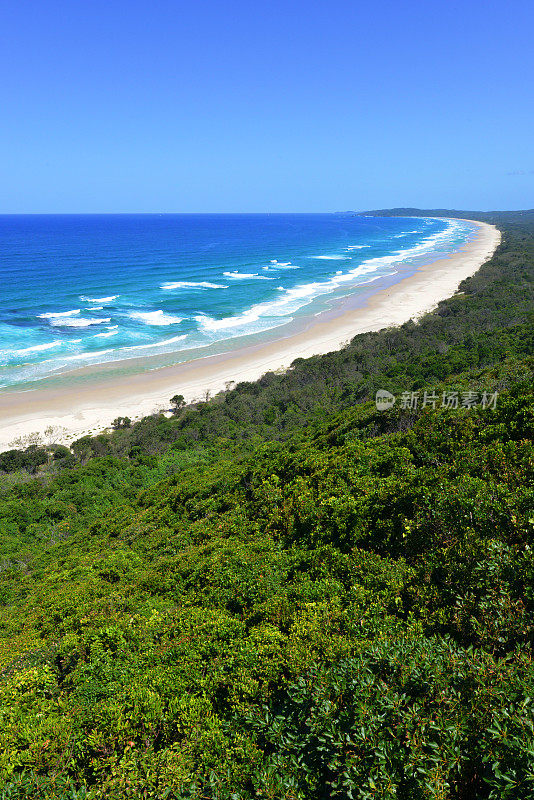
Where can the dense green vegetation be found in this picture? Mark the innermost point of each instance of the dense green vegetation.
(284, 593)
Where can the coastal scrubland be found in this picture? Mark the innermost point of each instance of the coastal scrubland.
(283, 592)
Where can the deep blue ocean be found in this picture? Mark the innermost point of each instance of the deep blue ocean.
(85, 289)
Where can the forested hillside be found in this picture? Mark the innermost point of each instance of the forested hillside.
(283, 592)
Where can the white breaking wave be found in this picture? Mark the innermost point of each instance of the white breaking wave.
(54, 314)
(99, 299)
(246, 276)
(358, 246)
(192, 285)
(210, 324)
(76, 322)
(154, 317)
(332, 258)
(38, 347)
(95, 308)
(105, 335)
(292, 301)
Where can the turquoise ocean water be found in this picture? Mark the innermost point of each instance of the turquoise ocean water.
(79, 290)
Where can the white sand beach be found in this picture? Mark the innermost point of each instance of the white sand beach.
(90, 406)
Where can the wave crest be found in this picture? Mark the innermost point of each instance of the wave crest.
(192, 285)
(154, 317)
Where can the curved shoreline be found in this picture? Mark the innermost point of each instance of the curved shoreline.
(90, 407)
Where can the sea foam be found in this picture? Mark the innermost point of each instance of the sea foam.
(192, 285)
(246, 276)
(99, 299)
(75, 322)
(38, 347)
(58, 314)
(155, 317)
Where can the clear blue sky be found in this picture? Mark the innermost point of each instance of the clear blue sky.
(265, 106)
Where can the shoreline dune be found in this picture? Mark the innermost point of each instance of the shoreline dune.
(90, 407)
